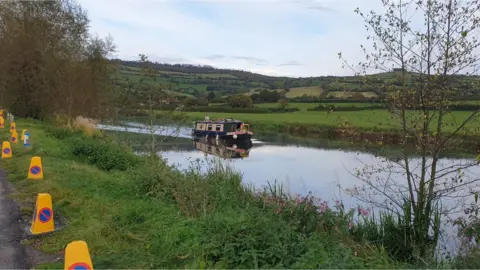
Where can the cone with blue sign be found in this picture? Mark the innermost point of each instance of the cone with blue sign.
(42, 220)
(6, 150)
(35, 171)
(77, 256)
(14, 137)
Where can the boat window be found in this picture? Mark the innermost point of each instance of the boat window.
(218, 127)
(209, 127)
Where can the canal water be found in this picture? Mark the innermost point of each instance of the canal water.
(326, 169)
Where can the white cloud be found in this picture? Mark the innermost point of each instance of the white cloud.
(307, 32)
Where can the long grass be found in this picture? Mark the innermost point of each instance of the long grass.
(138, 212)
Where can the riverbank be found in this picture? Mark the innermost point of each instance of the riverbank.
(136, 213)
(371, 126)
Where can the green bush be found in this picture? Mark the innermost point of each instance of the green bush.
(195, 193)
(225, 109)
(155, 179)
(250, 239)
(105, 155)
(62, 133)
(228, 109)
(325, 107)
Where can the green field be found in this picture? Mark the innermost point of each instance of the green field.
(366, 119)
(305, 106)
(313, 91)
(226, 82)
(349, 94)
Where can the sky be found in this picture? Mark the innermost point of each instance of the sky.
(298, 38)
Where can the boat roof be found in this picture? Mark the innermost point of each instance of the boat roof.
(223, 121)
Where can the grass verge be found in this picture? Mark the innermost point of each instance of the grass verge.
(138, 212)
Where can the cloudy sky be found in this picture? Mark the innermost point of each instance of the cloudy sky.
(272, 37)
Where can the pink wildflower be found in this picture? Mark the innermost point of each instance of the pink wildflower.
(337, 202)
(323, 207)
(364, 212)
(350, 225)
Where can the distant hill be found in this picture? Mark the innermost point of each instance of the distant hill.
(194, 80)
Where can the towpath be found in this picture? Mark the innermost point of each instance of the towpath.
(12, 252)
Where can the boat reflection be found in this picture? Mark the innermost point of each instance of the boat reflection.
(227, 149)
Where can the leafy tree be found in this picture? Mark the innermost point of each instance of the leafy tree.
(434, 54)
(163, 122)
(240, 101)
(50, 64)
(283, 103)
(211, 96)
(266, 96)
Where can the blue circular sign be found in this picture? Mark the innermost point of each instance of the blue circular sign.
(79, 266)
(45, 215)
(6, 151)
(14, 139)
(35, 170)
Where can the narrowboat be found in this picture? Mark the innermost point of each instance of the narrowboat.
(222, 129)
(227, 149)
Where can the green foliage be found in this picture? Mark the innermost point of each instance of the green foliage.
(252, 239)
(238, 110)
(266, 96)
(240, 101)
(105, 155)
(62, 133)
(331, 108)
(188, 78)
(155, 216)
(72, 79)
(392, 232)
(154, 179)
(242, 229)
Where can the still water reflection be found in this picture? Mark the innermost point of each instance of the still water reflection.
(226, 149)
(299, 169)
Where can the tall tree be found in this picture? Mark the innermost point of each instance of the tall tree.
(50, 64)
(431, 43)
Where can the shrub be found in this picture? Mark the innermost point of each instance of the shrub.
(250, 239)
(325, 107)
(105, 155)
(278, 232)
(238, 110)
(62, 133)
(155, 179)
(225, 109)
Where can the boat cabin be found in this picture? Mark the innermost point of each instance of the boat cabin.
(221, 126)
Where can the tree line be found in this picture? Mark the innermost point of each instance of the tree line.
(51, 64)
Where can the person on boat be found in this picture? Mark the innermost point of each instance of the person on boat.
(207, 118)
